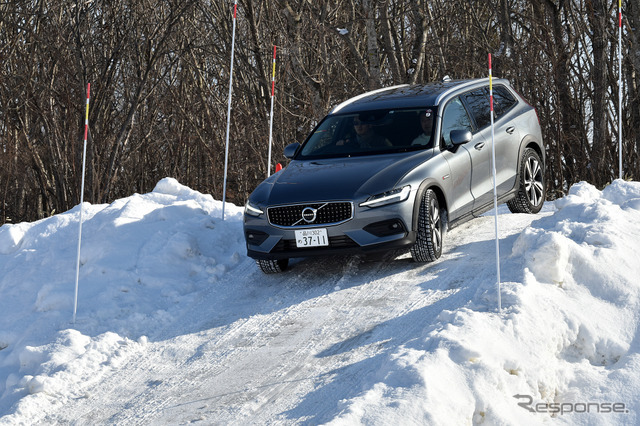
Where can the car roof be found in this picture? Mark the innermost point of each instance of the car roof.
(406, 96)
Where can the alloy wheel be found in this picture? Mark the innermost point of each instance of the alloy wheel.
(436, 225)
(533, 183)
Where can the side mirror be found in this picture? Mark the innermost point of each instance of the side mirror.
(460, 137)
(291, 149)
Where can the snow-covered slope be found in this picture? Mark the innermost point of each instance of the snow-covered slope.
(176, 325)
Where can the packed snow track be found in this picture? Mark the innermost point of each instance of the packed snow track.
(177, 326)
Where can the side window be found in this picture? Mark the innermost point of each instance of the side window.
(478, 101)
(455, 118)
(503, 100)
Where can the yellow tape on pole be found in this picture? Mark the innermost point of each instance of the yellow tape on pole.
(273, 92)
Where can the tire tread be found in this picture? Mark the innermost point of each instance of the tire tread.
(269, 266)
(423, 250)
(520, 203)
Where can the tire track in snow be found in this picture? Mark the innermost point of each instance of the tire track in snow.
(288, 348)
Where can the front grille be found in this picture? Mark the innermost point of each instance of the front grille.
(314, 214)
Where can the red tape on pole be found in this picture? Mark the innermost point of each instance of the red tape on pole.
(620, 13)
(490, 84)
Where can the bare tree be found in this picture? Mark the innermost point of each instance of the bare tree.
(159, 71)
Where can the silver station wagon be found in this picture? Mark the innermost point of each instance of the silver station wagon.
(394, 168)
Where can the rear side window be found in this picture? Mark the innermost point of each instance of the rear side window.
(478, 103)
(503, 100)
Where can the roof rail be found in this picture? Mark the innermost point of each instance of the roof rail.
(356, 98)
(461, 86)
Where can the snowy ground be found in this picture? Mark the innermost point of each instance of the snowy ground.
(175, 325)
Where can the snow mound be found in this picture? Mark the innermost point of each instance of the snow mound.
(171, 187)
(11, 236)
(566, 345)
(174, 326)
(142, 259)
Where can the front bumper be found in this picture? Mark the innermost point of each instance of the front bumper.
(369, 230)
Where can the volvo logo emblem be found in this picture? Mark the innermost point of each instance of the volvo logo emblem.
(309, 214)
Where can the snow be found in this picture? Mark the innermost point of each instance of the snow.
(176, 325)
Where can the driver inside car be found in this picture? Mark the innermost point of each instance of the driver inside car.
(365, 136)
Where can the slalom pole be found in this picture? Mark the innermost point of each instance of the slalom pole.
(84, 158)
(273, 89)
(620, 88)
(226, 149)
(495, 190)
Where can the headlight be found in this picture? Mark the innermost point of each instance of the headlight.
(389, 197)
(252, 210)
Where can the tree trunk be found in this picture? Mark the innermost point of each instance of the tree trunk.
(373, 56)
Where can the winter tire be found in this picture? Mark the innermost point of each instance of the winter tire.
(531, 194)
(272, 266)
(428, 245)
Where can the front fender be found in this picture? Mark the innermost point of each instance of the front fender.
(440, 192)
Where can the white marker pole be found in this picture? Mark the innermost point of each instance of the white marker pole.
(495, 189)
(84, 158)
(226, 150)
(620, 88)
(273, 88)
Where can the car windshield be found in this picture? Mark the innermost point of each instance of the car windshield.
(371, 132)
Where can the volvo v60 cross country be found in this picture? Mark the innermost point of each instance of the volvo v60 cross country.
(393, 168)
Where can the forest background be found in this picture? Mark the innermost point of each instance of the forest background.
(159, 74)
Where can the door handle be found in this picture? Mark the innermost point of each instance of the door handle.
(511, 129)
(479, 146)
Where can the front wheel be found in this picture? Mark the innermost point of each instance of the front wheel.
(272, 266)
(531, 194)
(428, 245)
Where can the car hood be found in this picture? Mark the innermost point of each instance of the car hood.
(337, 179)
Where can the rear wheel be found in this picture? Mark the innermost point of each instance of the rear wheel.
(531, 194)
(269, 266)
(428, 245)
